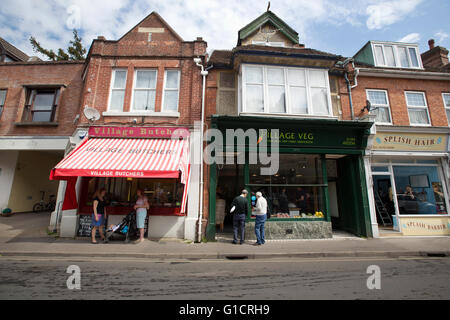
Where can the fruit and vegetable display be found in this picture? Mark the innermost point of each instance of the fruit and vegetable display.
(317, 214)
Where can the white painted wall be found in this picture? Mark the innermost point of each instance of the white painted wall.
(191, 222)
(8, 162)
(166, 227)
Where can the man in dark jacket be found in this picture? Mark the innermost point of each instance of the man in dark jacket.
(239, 208)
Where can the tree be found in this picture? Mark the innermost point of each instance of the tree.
(76, 50)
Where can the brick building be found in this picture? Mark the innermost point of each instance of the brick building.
(38, 104)
(142, 87)
(408, 95)
(291, 95)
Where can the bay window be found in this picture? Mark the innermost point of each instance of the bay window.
(380, 105)
(118, 85)
(285, 90)
(417, 108)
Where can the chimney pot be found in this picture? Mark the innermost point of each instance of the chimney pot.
(101, 38)
(431, 43)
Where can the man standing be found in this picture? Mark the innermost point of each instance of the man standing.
(239, 207)
(260, 212)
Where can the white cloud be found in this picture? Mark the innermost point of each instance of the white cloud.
(441, 36)
(217, 21)
(389, 12)
(410, 38)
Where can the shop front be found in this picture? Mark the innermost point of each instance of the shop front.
(123, 160)
(319, 184)
(409, 193)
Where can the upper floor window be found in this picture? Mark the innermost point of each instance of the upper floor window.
(118, 85)
(380, 106)
(171, 90)
(446, 97)
(285, 90)
(2, 100)
(144, 90)
(268, 43)
(41, 105)
(396, 55)
(417, 108)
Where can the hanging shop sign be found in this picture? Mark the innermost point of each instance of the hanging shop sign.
(423, 226)
(137, 132)
(410, 142)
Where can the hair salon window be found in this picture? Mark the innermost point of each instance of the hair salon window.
(446, 97)
(380, 103)
(296, 190)
(285, 90)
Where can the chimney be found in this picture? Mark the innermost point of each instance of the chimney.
(101, 38)
(436, 57)
(431, 43)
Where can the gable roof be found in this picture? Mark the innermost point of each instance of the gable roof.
(156, 14)
(11, 50)
(272, 18)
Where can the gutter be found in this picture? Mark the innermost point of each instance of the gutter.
(388, 73)
(285, 54)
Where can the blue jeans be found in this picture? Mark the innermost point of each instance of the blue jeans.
(259, 228)
(239, 227)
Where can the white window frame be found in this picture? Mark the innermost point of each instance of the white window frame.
(111, 89)
(310, 107)
(171, 89)
(268, 43)
(447, 109)
(383, 106)
(418, 107)
(2, 104)
(142, 89)
(395, 47)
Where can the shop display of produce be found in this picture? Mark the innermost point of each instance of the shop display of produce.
(317, 214)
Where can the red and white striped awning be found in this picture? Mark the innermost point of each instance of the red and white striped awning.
(126, 158)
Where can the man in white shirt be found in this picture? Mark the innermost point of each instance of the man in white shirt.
(260, 211)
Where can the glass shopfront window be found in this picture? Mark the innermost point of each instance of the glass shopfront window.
(296, 190)
(419, 190)
(121, 192)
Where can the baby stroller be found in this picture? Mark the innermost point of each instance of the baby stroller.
(126, 229)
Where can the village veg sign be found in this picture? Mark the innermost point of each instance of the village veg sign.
(312, 138)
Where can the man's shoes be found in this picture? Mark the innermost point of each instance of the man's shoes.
(242, 242)
(234, 242)
(257, 244)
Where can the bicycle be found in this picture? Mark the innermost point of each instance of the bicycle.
(45, 206)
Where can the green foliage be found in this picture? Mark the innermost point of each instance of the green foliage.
(75, 51)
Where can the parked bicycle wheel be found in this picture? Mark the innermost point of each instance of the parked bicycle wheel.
(38, 207)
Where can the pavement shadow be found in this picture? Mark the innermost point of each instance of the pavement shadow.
(26, 227)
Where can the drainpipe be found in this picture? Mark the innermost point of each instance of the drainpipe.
(204, 74)
(349, 87)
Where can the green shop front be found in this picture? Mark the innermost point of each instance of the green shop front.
(319, 186)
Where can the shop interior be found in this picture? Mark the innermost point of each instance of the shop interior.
(296, 192)
(418, 191)
(164, 195)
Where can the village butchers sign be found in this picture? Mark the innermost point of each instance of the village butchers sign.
(138, 132)
(410, 142)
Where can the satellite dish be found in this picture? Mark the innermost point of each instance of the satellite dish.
(91, 114)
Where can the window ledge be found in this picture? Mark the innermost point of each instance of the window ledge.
(285, 115)
(140, 114)
(36, 124)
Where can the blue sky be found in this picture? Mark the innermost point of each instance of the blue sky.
(337, 26)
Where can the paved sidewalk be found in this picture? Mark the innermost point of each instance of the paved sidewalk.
(25, 239)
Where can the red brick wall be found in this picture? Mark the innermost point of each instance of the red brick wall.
(133, 51)
(13, 77)
(396, 88)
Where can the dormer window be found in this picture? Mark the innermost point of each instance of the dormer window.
(396, 55)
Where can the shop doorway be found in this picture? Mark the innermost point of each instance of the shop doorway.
(384, 201)
(230, 182)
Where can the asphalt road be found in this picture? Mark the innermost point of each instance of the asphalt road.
(45, 278)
